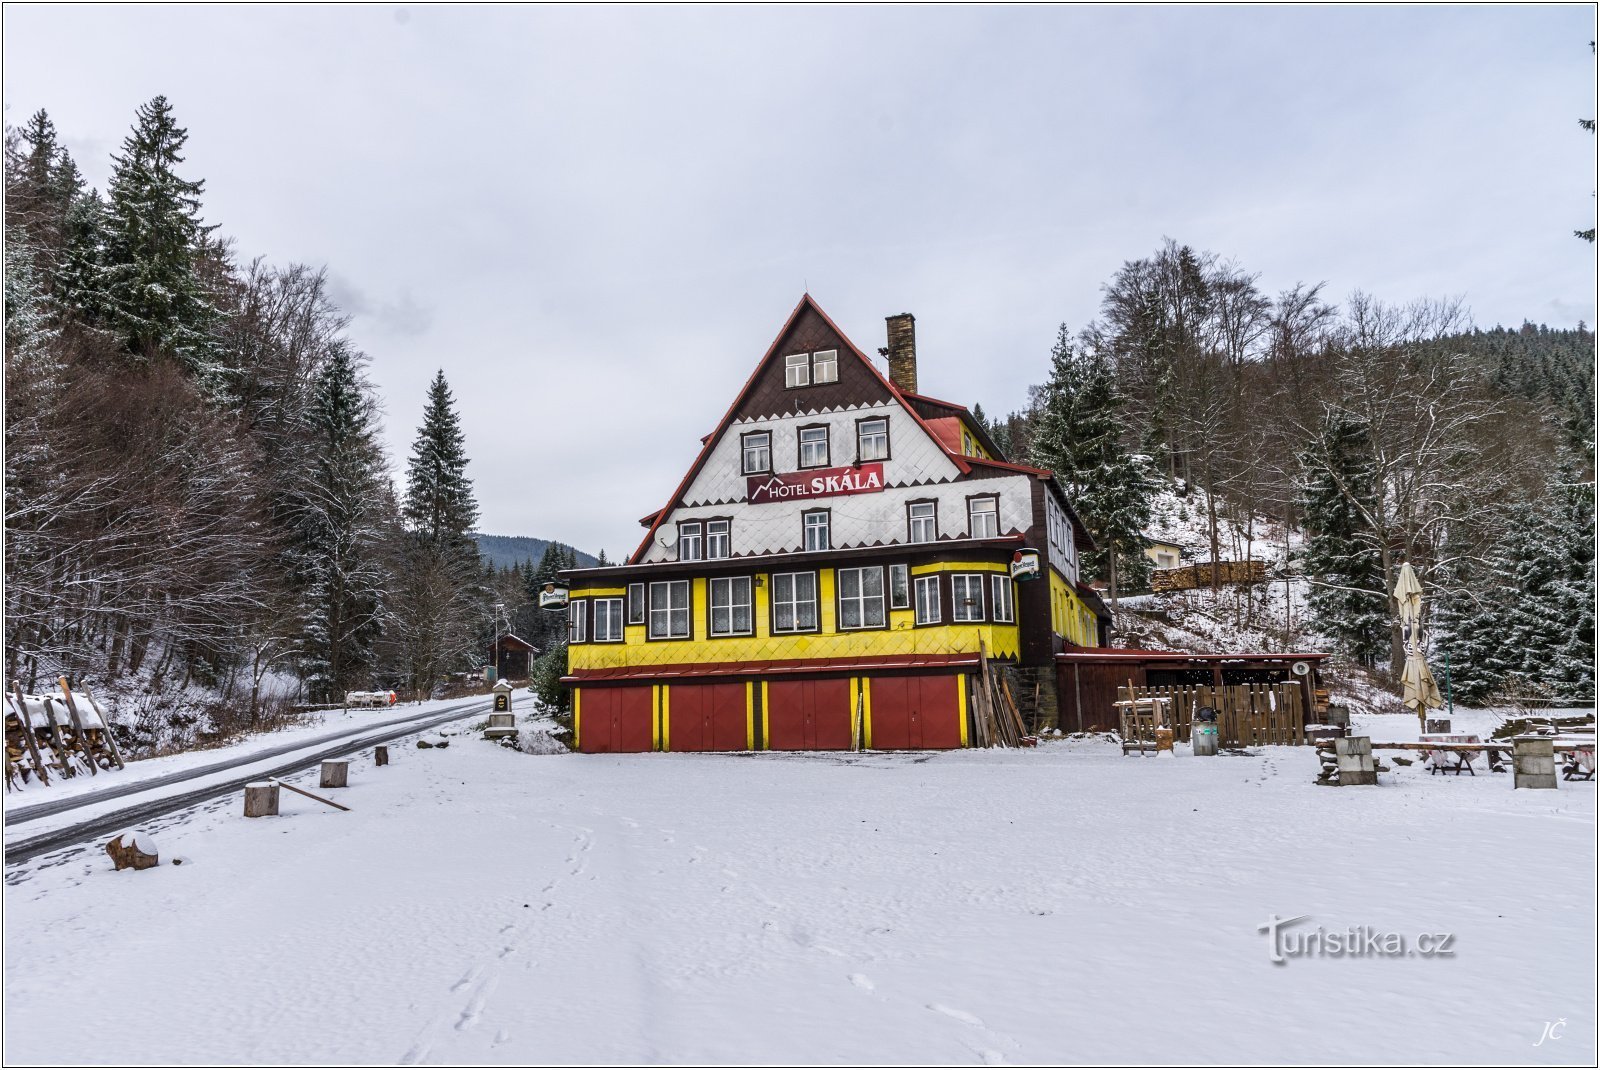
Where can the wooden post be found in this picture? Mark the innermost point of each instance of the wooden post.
(57, 744)
(307, 794)
(77, 725)
(380, 755)
(105, 725)
(261, 799)
(335, 774)
(27, 735)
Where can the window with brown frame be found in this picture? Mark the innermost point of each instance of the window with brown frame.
(983, 517)
(814, 449)
(756, 452)
(966, 597)
(872, 439)
(815, 527)
(861, 598)
(922, 521)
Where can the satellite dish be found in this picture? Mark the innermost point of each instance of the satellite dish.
(1300, 668)
(667, 537)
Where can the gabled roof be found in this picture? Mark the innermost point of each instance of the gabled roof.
(710, 441)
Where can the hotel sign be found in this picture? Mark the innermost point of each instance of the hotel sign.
(823, 483)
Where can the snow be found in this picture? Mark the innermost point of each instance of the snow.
(480, 905)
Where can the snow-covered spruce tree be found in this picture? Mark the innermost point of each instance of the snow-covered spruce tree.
(1573, 506)
(1347, 598)
(149, 283)
(1470, 600)
(341, 529)
(1077, 435)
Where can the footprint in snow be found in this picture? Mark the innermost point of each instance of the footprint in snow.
(959, 1015)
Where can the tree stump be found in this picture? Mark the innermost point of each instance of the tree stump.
(335, 774)
(129, 850)
(380, 755)
(261, 799)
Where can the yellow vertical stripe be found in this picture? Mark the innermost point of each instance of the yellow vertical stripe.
(866, 711)
(666, 717)
(749, 715)
(766, 722)
(961, 703)
(577, 717)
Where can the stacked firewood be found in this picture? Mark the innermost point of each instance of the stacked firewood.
(995, 717)
(60, 733)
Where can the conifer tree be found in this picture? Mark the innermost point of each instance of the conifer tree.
(439, 504)
(1077, 435)
(150, 285)
(341, 531)
(1348, 598)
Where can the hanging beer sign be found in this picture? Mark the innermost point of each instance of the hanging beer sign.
(1025, 565)
(553, 596)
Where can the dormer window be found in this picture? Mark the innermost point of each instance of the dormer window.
(806, 369)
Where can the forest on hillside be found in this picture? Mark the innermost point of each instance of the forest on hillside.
(1385, 433)
(200, 521)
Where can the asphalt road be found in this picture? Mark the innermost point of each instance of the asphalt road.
(305, 755)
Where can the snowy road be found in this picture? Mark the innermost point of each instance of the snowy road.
(88, 818)
(1065, 904)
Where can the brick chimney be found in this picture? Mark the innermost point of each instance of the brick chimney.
(902, 352)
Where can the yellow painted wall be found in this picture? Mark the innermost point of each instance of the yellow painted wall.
(901, 637)
(1069, 616)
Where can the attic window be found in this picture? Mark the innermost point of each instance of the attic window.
(807, 369)
(825, 366)
(797, 370)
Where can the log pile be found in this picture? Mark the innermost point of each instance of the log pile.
(995, 717)
(1193, 577)
(57, 734)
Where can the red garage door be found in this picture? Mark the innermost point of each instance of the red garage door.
(613, 720)
(916, 712)
(706, 717)
(808, 715)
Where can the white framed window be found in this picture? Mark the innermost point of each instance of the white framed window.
(825, 366)
(899, 587)
(757, 452)
(922, 521)
(794, 602)
(718, 543)
(861, 598)
(1001, 605)
(966, 596)
(797, 370)
(577, 618)
(731, 607)
(813, 447)
(872, 440)
(635, 603)
(690, 547)
(816, 525)
(926, 589)
(983, 518)
(669, 609)
(608, 620)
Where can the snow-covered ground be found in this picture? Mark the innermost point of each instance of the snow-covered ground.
(478, 905)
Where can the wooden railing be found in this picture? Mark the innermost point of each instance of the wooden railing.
(1248, 715)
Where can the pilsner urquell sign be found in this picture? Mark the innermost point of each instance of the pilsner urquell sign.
(817, 483)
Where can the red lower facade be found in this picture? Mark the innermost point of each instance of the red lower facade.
(879, 711)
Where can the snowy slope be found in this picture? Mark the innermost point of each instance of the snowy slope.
(1059, 904)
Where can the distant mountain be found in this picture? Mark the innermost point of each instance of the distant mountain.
(503, 550)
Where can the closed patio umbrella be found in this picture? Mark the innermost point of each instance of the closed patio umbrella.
(1416, 680)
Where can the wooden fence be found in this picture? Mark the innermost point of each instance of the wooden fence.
(1190, 577)
(1248, 715)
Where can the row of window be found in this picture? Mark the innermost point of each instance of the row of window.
(814, 446)
(712, 540)
(863, 599)
(805, 369)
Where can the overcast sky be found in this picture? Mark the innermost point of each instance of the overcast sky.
(595, 220)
